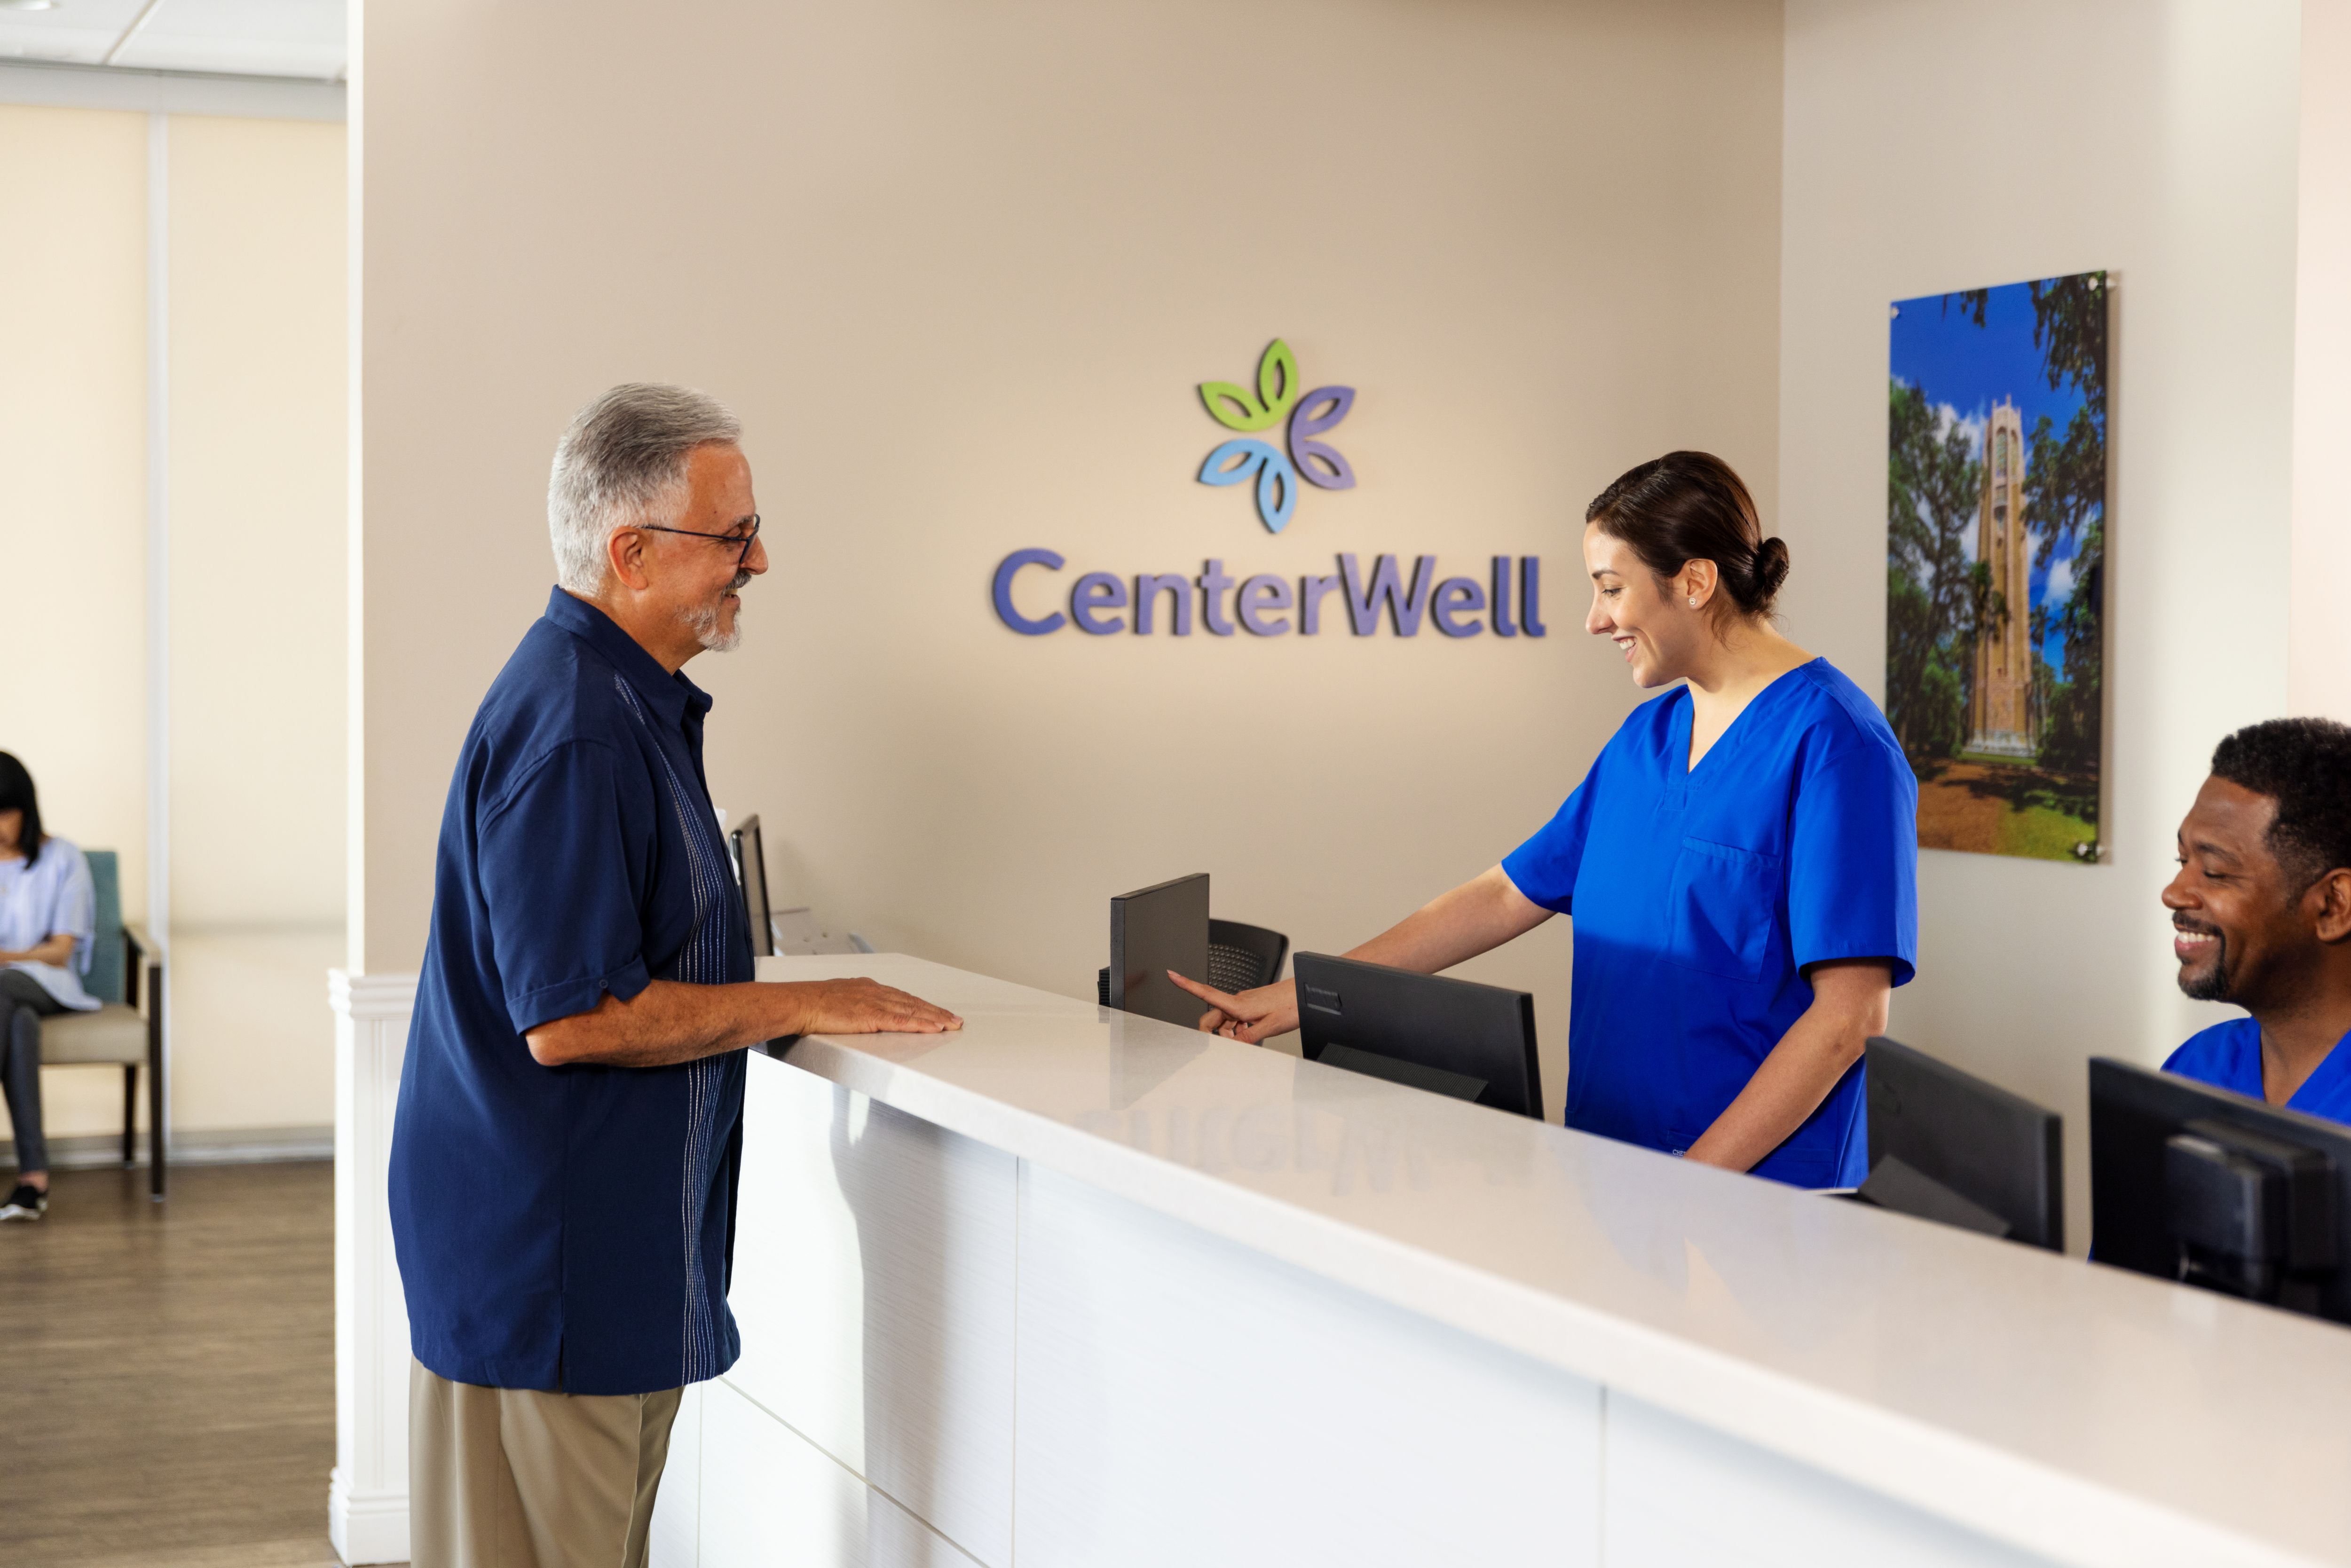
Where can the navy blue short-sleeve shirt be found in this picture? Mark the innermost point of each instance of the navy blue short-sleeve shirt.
(1701, 895)
(570, 1228)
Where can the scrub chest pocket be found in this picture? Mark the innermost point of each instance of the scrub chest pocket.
(1721, 904)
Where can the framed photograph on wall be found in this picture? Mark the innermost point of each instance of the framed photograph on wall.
(1995, 563)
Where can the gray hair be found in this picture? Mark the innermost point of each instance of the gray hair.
(622, 463)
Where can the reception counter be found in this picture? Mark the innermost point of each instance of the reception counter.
(1071, 1287)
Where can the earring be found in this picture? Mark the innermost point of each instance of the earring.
(1693, 601)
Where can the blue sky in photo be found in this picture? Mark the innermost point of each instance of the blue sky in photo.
(1965, 369)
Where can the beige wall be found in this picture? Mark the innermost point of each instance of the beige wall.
(258, 387)
(2319, 674)
(1948, 145)
(255, 307)
(73, 472)
(73, 497)
(959, 270)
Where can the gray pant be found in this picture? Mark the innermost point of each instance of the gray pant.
(23, 1003)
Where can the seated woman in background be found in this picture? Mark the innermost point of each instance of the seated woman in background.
(47, 928)
(1741, 862)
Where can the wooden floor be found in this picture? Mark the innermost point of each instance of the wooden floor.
(167, 1372)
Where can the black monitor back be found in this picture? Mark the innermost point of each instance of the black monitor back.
(2134, 1114)
(1954, 1136)
(751, 875)
(1453, 1037)
(1151, 931)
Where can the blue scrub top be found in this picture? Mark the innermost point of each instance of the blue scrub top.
(1700, 896)
(2228, 1056)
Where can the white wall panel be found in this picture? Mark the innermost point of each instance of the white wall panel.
(1958, 143)
(804, 1511)
(1188, 1401)
(1678, 1494)
(873, 1282)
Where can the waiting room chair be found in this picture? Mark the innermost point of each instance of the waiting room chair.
(118, 1034)
(1240, 959)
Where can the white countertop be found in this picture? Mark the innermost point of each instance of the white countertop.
(2085, 1413)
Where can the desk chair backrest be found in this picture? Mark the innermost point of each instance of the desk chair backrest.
(105, 978)
(1243, 957)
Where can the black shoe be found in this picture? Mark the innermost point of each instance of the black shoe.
(28, 1202)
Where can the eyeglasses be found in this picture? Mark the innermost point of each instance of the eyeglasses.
(742, 556)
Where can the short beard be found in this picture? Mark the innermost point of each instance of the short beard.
(2215, 984)
(703, 622)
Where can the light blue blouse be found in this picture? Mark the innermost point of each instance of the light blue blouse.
(49, 898)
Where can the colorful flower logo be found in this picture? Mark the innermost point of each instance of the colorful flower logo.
(1276, 399)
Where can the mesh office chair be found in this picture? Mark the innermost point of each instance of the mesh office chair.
(117, 1035)
(1240, 959)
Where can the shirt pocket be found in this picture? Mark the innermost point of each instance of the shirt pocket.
(1720, 909)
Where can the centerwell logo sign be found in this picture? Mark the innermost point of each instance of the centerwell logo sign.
(1101, 604)
(1237, 462)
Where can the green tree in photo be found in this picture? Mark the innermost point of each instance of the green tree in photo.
(2065, 500)
(1934, 601)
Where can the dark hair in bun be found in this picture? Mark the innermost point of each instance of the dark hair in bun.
(1689, 505)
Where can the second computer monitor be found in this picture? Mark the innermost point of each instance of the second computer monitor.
(1947, 1147)
(1151, 931)
(2196, 1183)
(1452, 1036)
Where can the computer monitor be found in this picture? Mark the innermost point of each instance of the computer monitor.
(2196, 1183)
(1451, 1037)
(751, 876)
(1151, 931)
(1947, 1147)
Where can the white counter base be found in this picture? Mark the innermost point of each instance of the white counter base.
(954, 1356)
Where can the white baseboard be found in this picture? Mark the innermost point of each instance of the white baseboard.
(220, 1146)
(369, 1528)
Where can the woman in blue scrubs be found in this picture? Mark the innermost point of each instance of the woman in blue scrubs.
(1740, 863)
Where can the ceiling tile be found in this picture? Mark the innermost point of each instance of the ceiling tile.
(256, 37)
(77, 31)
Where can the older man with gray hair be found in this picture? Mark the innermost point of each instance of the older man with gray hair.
(564, 1161)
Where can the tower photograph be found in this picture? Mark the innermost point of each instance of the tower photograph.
(1995, 560)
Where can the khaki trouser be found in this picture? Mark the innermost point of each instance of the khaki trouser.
(513, 1478)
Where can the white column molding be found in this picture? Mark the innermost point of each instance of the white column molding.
(367, 1497)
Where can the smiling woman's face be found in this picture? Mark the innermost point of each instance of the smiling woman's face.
(1651, 625)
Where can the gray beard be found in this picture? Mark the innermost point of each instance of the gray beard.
(703, 622)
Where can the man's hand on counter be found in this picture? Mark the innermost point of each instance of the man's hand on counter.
(670, 1022)
(860, 1006)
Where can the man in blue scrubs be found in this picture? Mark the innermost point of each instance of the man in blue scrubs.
(564, 1159)
(2262, 913)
